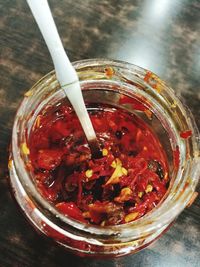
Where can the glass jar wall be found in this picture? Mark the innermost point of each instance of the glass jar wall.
(105, 82)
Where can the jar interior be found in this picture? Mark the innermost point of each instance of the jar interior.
(98, 93)
(160, 117)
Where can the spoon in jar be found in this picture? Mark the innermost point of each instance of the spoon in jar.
(65, 72)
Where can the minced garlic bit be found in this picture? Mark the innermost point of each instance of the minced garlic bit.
(174, 105)
(86, 214)
(140, 194)
(166, 176)
(25, 149)
(109, 72)
(37, 123)
(89, 173)
(10, 164)
(158, 87)
(104, 152)
(124, 171)
(114, 179)
(149, 188)
(29, 93)
(148, 113)
(113, 164)
(131, 216)
(125, 195)
(103, 223)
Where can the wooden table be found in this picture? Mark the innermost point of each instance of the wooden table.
(163, 36)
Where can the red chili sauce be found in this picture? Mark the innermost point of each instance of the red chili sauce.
(124, 184)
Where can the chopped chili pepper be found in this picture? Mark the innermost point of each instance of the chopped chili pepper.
(71, 210)
(134, 103)
(153, 80)
(128, 181)
(25, 149)
(49, 159)
(148, 113)
(147, 76)
(131, 217)
(109, 72)
(176, 156)
(186, 134)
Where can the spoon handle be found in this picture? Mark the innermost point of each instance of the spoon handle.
(46, 24)
(65, 72)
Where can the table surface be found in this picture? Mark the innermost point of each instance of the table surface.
(161, 35)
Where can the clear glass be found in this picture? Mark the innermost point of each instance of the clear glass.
(104, 81)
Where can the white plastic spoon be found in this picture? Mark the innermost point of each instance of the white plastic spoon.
(65, 72)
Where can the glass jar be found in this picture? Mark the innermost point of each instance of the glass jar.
(105, 81)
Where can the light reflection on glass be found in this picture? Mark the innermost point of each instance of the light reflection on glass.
(159, 8)
(148, 45)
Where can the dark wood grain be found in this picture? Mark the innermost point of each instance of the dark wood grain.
(163, 36)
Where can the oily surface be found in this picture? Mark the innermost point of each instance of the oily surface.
(127, 180)
(162, 36)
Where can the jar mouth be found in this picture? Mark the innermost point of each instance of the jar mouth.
(173, 115)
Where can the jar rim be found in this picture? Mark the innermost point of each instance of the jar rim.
(151, 220)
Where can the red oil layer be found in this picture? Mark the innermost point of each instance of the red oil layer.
(124, 184)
